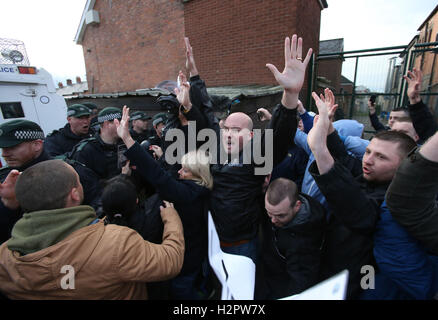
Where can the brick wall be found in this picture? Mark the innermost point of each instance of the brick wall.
(136, 45)
(233, 40)
(139, 43)
(331, 69)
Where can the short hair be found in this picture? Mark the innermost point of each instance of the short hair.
(119, 199)
(281, 188)
(45, 185)
(198, 162)
(405, 142)
(403, 109)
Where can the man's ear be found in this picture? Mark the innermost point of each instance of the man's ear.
(75, 194)
(297, 206)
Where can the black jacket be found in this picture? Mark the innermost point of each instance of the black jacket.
(100, 157)
(423, 121)
(189, 198)
(62, 141)
(355, 206)
(411, 198)
(140, 137)
(291, 255)
(235, 199)
(377, 125)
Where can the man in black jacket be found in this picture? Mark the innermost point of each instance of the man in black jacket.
(236, 201)
(354, 191)
(290, 256)
(422, 119)
(100, 153)
(78, 127)
(139, 126)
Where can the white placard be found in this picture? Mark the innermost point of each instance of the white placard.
(334, 288)
(236, 273)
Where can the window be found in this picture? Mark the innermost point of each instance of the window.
(11, 110)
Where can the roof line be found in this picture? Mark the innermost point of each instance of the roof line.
(428, 18)
(81, 29)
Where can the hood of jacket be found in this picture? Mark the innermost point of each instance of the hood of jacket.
(39, 230)
(347, 127)
(307, 215)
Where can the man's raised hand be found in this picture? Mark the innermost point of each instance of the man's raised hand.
(317, 136)
(183, 92)
(123, 127)
(190, 60)
(292, 77)
(414, 80)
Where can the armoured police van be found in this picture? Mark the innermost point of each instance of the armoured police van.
(29, 93)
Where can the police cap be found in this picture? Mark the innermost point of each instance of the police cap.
(78, 110)
(158, 118)
(90, 105)
(109, 114)
(139, 115)
(15, 132)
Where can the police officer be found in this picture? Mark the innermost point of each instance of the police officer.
(94, 125)
(22, 147)
(78, 127)
(100, 152)
(139, 126)
(158, 122)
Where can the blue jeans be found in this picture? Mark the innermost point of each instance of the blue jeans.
(183, 287)
(248, 249)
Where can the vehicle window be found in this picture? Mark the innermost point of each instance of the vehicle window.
(11, 110)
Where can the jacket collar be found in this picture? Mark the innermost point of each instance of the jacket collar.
(41, 229)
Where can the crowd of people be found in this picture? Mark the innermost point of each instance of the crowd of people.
(95, 210)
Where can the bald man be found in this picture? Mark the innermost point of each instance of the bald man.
(236, 201)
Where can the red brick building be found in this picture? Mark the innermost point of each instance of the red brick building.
(135, 44)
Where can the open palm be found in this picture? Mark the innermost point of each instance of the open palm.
(292, 77)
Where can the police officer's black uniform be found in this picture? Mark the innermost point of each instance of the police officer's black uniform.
(62, 141)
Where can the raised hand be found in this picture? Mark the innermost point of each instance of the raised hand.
(183, 92)
(263, 114)
(414, 80)
(123, 127)
(317, 136)
(190, 60)
(329, 100)
(158, 152)
(292, 77)
(7, 190)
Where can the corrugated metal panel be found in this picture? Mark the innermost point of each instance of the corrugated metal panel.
(230, 92)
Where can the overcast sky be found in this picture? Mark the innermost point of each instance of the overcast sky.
(48, 28)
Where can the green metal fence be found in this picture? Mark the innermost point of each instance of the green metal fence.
(379, 72)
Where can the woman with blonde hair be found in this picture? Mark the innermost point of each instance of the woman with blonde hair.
(189, 194)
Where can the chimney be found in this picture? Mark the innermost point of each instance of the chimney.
(60, 85)
(69, 82)
(78, 80)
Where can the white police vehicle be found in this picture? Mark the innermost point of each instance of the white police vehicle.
(27, 92)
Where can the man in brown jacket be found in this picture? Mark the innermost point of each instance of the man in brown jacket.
(59, 250)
